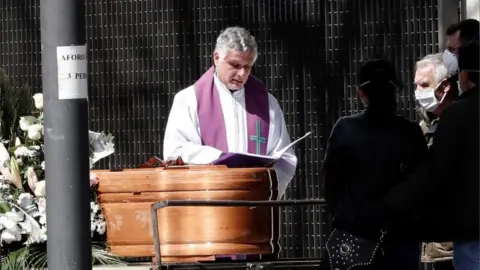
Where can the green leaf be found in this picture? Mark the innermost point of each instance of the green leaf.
(15, 101)
(4, 207)
(35, 257)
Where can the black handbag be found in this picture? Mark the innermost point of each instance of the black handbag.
(347, 251)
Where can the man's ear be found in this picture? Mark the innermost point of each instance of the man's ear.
(463, 76)
(360, 93)
(216, 58)
(447, 85)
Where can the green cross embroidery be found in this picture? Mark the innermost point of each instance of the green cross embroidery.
(258, 137)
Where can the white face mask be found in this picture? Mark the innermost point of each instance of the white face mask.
(451, 63)
(427, 98)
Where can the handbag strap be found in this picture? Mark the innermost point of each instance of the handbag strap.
(383, 232)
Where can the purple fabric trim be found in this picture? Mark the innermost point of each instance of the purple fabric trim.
(212, 122)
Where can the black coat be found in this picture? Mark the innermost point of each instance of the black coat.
(367, 154)
(444, 193)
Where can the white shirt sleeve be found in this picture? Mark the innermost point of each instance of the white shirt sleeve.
(182, 135)
(285, 167)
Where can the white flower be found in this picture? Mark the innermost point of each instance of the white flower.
(94, 207)
(43, 165)
(26, 227)
(43, 219)
(102, 145)
(18, 142)
(32, 178)
(42, 205)
(101, 227)
(34, 148)
(40, 189)
(38, 100)
(43, 234)
(26, 121)
(15, 174)
(11, 235)
(21, 151)
(34, 131)
(4, 155)
(7, 223)
(25, 200)
(15, 216)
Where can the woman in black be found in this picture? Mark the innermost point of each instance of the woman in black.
(367, 154)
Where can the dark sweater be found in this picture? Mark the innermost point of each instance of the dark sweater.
(444, 193)
(367, 155)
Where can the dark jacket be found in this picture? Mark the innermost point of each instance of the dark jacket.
(367, 154)
(447, 186)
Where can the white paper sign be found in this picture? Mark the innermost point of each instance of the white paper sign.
(72, 72)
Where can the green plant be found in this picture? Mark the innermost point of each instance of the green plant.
(15, 101)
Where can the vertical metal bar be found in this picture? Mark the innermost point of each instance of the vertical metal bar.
(156, 239)
(66, 134)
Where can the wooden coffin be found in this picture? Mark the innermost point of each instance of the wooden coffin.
(189, 233)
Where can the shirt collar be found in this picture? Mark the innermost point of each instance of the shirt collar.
(223, 87)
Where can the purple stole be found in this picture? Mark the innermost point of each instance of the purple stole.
(212, 122)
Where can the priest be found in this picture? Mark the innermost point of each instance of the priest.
(229, 110)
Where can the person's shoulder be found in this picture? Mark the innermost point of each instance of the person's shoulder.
(186, 91)
(347, 120)
(273, 102)
(463, 104)
(351, 118)
(186, 96)
(456, 111)
(254, 80)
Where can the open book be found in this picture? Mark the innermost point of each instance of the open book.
(246, 160)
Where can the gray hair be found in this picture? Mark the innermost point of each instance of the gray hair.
(440, 71)
(237, 39)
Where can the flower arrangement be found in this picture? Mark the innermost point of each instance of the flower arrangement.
(23, 221)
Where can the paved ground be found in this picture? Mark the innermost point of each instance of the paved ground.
(125, 267)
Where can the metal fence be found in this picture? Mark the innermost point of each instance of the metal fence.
(142, 52)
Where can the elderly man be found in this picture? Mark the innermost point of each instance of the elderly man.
(451, 173)
(229, 110)
(436, 88)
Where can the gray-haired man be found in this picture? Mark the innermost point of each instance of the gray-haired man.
(436, 88)
(229, 110)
